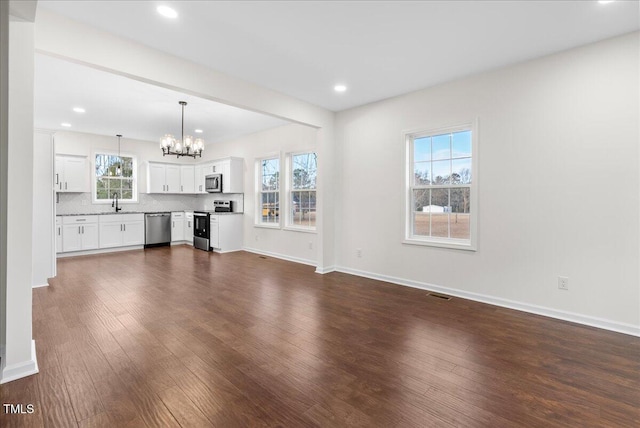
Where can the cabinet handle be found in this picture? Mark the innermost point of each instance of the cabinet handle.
(125, 227)
(174, 224)
(120, 228)
(83, 230)
(181, 188)
(58, 231)
(57, 178)
(78, 230)
(65, 185)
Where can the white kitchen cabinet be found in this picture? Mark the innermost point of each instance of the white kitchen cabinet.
(58, 234)
(214, 231)
(199, 173)
(79, 233)
(121, 230)
(232, 170)
(72, 174)
(177, 226)
(163, 178)
(226, 232)
(133, 232)
(187, 179)
(188, 227)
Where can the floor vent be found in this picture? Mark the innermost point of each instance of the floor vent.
(439, 296)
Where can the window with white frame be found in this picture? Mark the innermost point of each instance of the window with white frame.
(114, 176)
(441, 206)
(268, 173)
(302, 190)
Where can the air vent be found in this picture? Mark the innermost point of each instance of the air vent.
(439, 296)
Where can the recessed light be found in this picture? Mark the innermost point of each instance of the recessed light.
(605, 1)
(198, 131)
(339, 88)
(79, 110)
(167, 12)
(65, 124)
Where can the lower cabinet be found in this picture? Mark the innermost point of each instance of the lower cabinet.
(177, 226)
(80, 233)
(226, 232)
(188, 227)
(121, 230)
(58, 234)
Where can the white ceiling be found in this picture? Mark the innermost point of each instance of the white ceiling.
(119, 105)
(379, 49)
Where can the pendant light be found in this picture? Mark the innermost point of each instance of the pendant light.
(119, 168)
(186, 146)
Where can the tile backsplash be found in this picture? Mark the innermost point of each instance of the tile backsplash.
(80, 203)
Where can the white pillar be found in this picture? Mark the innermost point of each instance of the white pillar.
(44, 244)
(18, 353)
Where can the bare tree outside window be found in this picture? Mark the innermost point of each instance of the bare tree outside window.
(109, 183)
(304, 170)
(269, 204)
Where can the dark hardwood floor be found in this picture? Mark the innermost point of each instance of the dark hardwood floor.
(180, 337)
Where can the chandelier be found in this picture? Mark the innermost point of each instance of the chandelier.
(187, 146)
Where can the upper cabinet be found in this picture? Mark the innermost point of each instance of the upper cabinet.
(187, 179)
(232, 170)
(72, 174)
(190, 179)
(163, 178)
(199, 173)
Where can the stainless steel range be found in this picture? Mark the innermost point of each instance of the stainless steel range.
(201, 230)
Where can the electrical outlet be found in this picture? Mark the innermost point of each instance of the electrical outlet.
(563, 283)
(359, 252)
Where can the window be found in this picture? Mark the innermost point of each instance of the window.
(302, 190)
(269, 192)
(109, 183)
(441, 191)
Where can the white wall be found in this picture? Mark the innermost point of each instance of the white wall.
(64, 38)
(18, 358)
(292, 245)
(287, 244)
(558, 186)
(44, 245)
(83, 144)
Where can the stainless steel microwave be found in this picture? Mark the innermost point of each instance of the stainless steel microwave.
(213, 183)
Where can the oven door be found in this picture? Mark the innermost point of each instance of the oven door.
(201, 230)
(201, 225)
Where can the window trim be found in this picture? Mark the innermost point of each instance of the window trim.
(288, 223)
(94, 180)
(452, 243)
(258, 193)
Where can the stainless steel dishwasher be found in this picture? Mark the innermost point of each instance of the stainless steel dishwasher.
(157, 229)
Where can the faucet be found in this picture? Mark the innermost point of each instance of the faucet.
(115, 201)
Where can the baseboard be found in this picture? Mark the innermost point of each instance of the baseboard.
(226, 251)
(323, 270)
(46, 284)
(20, 370)
(99, 251)
(281, 256)
(630, 329)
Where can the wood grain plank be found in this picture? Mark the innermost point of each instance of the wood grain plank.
(172, 336)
